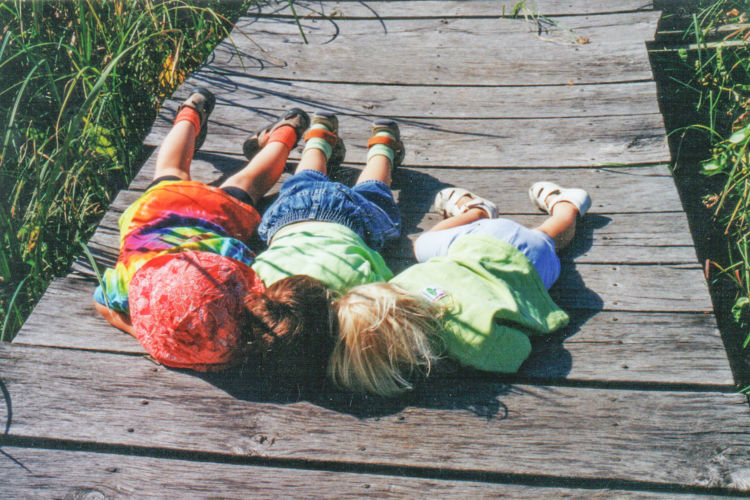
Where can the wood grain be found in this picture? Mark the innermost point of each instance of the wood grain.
(439, 9)
(488, 143)
(245, 95)
(635, 189)
(442, 51)
(35, 473)
(691, 438)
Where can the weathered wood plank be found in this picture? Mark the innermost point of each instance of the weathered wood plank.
(633, 347)
(411, 9)
(641, 26)
(247, 94)
(435, 142)
(673, 288)
(613, 189)
(442, 51)
(582, 290)
(606, 346)
(689, 438)
(649, 238)
(41, 473)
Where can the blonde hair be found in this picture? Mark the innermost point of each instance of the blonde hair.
(386, 337)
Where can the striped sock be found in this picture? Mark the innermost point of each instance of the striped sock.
(382, 149)
(319, 143)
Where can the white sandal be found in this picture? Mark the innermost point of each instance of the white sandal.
(446, 203)
(545, 195)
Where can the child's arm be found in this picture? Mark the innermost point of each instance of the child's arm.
(116, 318)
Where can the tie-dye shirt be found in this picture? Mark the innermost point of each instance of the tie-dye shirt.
(172, 217)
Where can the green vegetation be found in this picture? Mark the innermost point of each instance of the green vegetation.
(81, 82)
(720, 87)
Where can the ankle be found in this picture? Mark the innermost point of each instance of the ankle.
(563, 208)
(285, 135)
(379, 144)
(188, 114)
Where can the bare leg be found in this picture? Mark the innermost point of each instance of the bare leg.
(262, 172)
(312, 159)
(378, 168)
(561, 225)
(471, 215)
(176, 152)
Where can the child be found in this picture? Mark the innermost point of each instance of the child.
(479, 291)
(325, 229)
(183, 285)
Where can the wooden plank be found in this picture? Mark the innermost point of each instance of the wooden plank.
(42, 473)
(650, 238)
(596, 346)
(641, 26)
(487, 143)
(673, 288)
(404, 8)
(660, 437)
(633, 347)
(244, 94)
(442, 51)
(584, 290)
(637, 189)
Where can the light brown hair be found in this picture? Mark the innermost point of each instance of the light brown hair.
(388, 339)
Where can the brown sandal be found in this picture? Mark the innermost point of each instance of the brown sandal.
(295, 117)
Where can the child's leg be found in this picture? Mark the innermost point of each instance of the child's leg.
(176, 152)
(262, 172)
(324, 150)
(187, 135)
(561, 225)
(461, 207)
(271, 148)
(564, 206)
(385, 151)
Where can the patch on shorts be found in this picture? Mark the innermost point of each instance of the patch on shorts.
(433, 293)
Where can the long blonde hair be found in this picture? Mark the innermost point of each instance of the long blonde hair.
(387, 338)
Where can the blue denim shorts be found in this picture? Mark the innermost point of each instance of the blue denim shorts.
(368, 208)
(534, 244)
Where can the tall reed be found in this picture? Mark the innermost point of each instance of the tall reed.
(80, 84)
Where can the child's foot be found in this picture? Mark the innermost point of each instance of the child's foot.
(386, 140)
(295, 118)
(203, 102)
(545, 195)
(324, 135)
(453, 201)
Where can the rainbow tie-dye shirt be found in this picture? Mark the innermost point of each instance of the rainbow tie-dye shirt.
(172, 217)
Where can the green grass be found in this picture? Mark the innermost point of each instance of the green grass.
(80, 84)
(721, 84)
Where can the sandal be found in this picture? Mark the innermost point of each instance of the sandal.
(446, 203)
(331, 136)
(203, 102)
(295, 117)
(545, 195)
(390, 126)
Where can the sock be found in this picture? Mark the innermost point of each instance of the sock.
(285, 135)
(381, 149)
(318, 142)
(188, 114)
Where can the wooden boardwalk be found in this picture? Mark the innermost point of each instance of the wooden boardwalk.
(635, 398)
